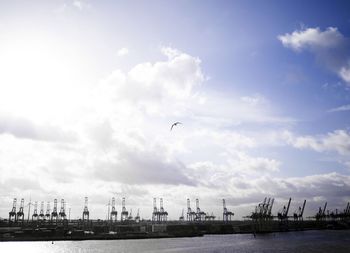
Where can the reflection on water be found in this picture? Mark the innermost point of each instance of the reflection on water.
(308, 241)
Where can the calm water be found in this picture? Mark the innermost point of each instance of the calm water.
(309, 241)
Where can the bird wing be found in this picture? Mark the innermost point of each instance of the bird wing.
(176, 123)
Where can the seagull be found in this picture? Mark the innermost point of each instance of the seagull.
(175, 124)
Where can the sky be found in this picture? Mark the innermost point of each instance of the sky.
(89, 91)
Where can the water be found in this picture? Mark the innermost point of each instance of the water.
(308, 241)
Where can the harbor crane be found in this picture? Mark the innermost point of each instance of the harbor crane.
(191, 215)
(200, 215)
(283, 215)
(35, 213)
(114, 212)
(54, 214)
(226, 215)
(20, 213)
(12, 213)
(86, 212)
(298, 215)
(124, 213)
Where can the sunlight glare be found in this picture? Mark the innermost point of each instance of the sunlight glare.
(40, 79)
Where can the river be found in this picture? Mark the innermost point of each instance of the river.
(299, 242)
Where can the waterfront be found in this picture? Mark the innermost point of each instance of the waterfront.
(303, 241)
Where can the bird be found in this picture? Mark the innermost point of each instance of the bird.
(175, 124)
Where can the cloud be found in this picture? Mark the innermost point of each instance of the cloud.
(257, 99)
(21, 184)
(72, 5)
(24, 128)
(123, 51)
(245, 163)
(151, 86)
(326, 185)
(81, 4)
(233, 165)
(330, 47)
(340, 108)
(336, 141)
(131, 165)
(312, 38)
(239, 110)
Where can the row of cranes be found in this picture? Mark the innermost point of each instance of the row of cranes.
(263, 211)
(56, 215)
(197, 215)
(43, 216)
(159, 215)
(336, 214)
(125, 215)
(200, 215)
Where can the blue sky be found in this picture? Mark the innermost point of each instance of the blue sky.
(262, 89)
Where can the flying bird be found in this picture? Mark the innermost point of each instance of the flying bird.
(175, 124)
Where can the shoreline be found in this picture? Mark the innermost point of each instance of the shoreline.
(96, 231)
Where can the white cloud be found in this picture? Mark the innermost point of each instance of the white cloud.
(81, 4)
(257, 99)
(245, 163)
(330, 47)
(336, 141)
(313, 38)
(151, 85)
(24, 128)
(340, 108)
(344, 73)
(72, 5)
(123, 51)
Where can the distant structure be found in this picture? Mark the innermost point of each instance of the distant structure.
(321, 213)
(20, 213)
(210, 217)
(114, 212)
(283, 215)
(41, 214)
(200, 215)
(191, 215)
(159, 215)
(163, 215)
(137, 218)
(12, 213)
(130, 218)
(35, 213)
(62, 214)
(263, 211)
(226, 215)
(47, 215)
(155, 213)
(54, 214)
(182, 218)
(86, 212)
(124, 213)
(298, 215)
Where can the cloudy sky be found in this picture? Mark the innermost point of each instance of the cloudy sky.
(89, 90)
